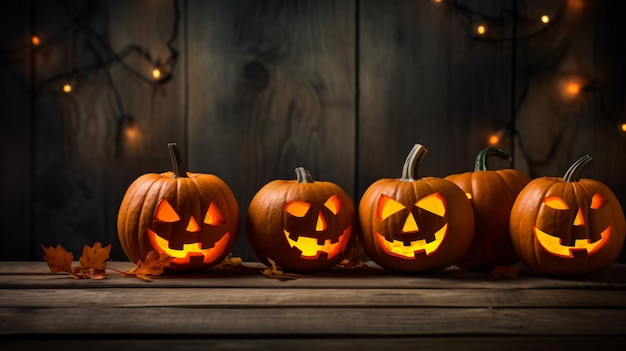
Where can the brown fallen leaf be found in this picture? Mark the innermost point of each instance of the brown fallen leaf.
(95, 257)
(230, 260)
(275, 273)
(506, 271)
(154, 265)
(58, 259)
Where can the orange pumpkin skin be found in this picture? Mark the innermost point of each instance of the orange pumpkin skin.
(193, 218)
(304, 226)
(567, 226)
(412, 225)
(492, 194)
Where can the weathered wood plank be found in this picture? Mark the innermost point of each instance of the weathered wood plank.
(372, 321)
(425, 78)
(25, 275)
(309, 297)
(243, 342)
(272, 87)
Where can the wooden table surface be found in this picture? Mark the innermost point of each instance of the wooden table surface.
(361, 309)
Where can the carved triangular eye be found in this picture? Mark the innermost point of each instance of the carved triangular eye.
(598, 201)
(214, 215)
(388, 206)
(333, 204)
(433, 203)
(297, 208)
(166, 213)
(555, 202)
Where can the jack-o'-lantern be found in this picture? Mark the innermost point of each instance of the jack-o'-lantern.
(492, 194)
(304, 226)
(192, 217)
(569, 225)
(411, 224)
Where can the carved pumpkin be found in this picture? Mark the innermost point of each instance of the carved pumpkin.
(304, 226)
(192, 217)
(492, 194)
(410, 224)
(569, 225)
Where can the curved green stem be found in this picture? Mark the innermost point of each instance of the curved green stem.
(303, 176)
(575, 172)
(410, 168)
(177, 162)
(481, 159)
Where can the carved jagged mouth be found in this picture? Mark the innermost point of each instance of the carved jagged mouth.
(182, 256)
(553, 244)
(310, 248)
(399, 249)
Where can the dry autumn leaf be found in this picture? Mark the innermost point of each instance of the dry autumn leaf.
(58, 259)
(274, 272)
(154, 265)
(95, 257)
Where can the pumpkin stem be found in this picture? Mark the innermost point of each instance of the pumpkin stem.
(576, 170)
(412, 163)
(481, 159)
(177, 162)
(303, 176)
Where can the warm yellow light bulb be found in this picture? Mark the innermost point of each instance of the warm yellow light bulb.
(67, 88)
(494, 139)
(545, 19)
(156, 73)
(572, 89)
(35, 40)
(623, 127)
(437, 1)
(481, 29)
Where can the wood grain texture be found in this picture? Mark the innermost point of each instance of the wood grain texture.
(272, 88)
(424, 78)
(84, 158)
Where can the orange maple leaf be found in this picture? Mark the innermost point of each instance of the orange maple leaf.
(95, 257)
(154, 265)
(59, 259)
(507, 271)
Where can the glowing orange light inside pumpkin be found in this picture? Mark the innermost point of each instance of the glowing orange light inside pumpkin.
(166, 213)
(297, 208)
(67, 88)
(333, 204)
(598, 201)
(320, 226)
(556, 203)
(433, 203)
(192, 226)
(481, 29)
(35, 40)
(214, 216)
(545, 19)
(410, 225)
(387, 207)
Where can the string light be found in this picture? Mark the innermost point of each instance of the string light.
(67, 88)
(545, 19)
(156, 73)
(481, 29)
(35, 40)
(623, 127)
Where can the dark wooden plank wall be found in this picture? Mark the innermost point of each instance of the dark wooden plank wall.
(261, 87)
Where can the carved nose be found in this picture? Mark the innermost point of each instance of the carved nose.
(410, 225)
(321, 223)
(579, 220)
(193, 226)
